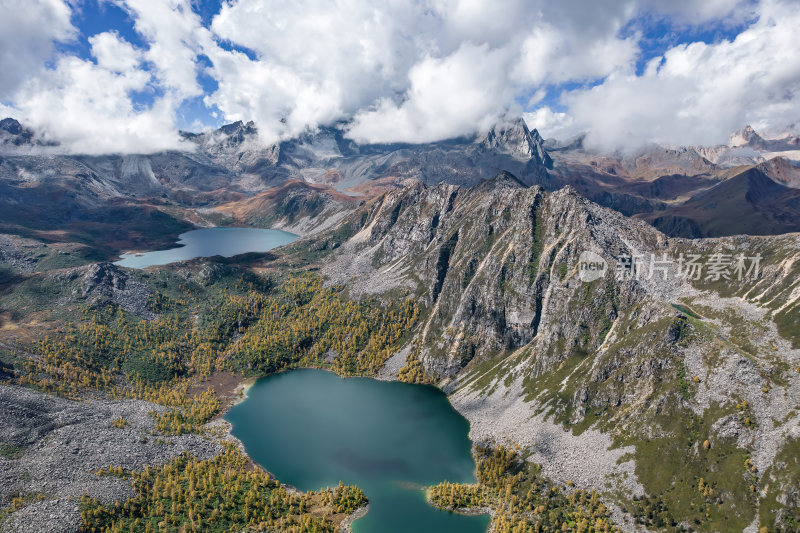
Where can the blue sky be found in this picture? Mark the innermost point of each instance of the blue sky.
(624, 72)
(92, 17)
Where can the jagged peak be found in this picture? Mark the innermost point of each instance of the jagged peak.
(11, 125)
(14, 133)
(536, 136)
(746, 136)
(231, 129)
(237, 127)
(514, 138)
(502, 179)
(505, 131)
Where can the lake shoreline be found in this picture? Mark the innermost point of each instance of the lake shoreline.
(466, 511)
(243, 391)
(224, 241)
(347, 524)
(240, 394)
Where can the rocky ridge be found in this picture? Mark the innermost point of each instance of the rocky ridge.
(531, 352)
(103, 283)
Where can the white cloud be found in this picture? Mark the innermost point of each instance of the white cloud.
(175, 36)
(694, 12)
(549, 56)
(318, 61)
(699, 93)
(551, 124)
(433, 69)
(448, 97)
(113, 53)
(267, 93)
(28, 29)
(402, 71)
(93, 109)
(87, 109)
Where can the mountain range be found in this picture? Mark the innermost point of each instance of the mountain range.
(685, 191)
(628, 321)
(629, 367)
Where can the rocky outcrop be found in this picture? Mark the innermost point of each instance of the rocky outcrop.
(104, 283)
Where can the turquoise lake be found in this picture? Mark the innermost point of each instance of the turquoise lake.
(208, 242)
(311, 428)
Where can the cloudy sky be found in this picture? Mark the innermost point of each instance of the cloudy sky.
(126, 75)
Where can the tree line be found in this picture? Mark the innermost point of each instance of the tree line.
(521, 498)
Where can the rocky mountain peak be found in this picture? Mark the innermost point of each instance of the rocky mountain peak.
(237, 132)
(239, 128)
(746, 137)
(236, 146)
(515, 139)
(12, 132)
(780, 170)
(231, 134)
(11, 125)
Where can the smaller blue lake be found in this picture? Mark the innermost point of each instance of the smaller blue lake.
(209, 242)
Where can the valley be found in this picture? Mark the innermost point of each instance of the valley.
(642, 399)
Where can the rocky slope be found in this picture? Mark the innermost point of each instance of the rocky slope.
(614, 383)
(52, 447)
(296, 206)
(762, 199)
(748, 186)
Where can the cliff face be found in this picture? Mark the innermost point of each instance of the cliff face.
(535, 348)
(494, 264)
